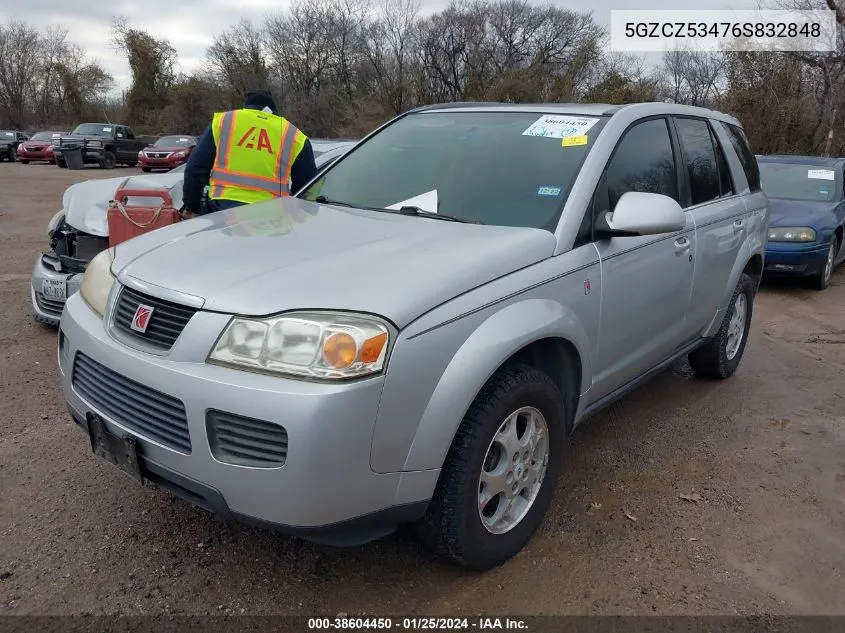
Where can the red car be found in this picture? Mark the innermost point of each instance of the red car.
(38, 148)
(166, 153)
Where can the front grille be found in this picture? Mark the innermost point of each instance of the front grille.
(165, 325)
(242, 441)
(158, 154)
(149, 413)
(50, 306)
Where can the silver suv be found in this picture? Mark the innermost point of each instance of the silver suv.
(412, 337)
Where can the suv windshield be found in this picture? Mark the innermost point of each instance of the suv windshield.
(4, 134)
(507, 167)
(94, 129)
(173, 141)
(794, 181)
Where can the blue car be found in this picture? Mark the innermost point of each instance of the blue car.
(807, 216)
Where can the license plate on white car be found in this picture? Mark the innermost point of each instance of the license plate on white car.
(54, 288)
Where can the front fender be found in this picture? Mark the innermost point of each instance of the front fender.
(493, 341)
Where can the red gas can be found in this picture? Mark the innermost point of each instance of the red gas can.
(130, 220)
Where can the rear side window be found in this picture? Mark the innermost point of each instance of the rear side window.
(644, 162)
(725, 182)
(700, 159)
(746, 157)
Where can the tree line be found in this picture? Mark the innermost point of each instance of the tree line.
(339, 68)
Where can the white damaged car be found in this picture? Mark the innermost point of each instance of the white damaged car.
(80, 229)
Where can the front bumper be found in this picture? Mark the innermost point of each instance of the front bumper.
(161, 163)
(783, 258)
(38, 155)
(89, 154)
(49, 310)
(325, 490)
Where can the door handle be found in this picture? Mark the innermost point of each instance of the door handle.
(681, 245)
(739, 225)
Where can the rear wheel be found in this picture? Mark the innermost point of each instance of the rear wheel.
(499, 476)
(720, 357)
(822, 280)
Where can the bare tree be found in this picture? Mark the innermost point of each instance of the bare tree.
(152, 63)
(237, 60)
(20, 50)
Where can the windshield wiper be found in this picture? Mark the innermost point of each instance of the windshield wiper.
(422, 213)
(339, 203)
(405, 210)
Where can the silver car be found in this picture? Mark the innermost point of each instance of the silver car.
(412, 338)
(79, 230)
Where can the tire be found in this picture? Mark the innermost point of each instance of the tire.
(11, 156)
(822, 280)
(109, 160)
(61, 164)
(24, 161)
(452, 526)
(720, 357)
(146, 170)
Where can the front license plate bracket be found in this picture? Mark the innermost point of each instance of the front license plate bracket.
(121, 452)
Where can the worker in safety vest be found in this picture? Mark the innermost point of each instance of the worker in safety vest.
(245, 156)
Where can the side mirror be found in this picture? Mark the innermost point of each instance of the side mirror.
(639, 213)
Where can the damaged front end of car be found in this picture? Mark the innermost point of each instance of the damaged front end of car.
(59, 270)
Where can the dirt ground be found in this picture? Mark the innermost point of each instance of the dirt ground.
(762, 456)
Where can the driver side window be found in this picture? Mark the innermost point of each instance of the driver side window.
(643, 161)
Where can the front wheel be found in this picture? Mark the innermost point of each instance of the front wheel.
(720, 357)
(24, 161)
(61, 164)
(822, 280)
(109, 161)
(499, 475)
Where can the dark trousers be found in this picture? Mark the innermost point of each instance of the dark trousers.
(222, 205)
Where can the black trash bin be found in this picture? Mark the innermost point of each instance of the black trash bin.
(73, 157)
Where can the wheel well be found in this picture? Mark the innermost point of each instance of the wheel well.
(754, 267)
(838, 233)
(558, 359)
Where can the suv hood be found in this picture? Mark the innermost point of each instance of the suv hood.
(86, 203)
(293, 254)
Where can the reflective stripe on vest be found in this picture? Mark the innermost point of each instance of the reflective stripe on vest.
(255, 154)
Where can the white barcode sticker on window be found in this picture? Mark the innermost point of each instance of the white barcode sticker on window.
(560, 126)
(821, 174)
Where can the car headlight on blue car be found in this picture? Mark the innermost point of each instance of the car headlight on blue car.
(98, 281)
(306, 344)
(792, 234)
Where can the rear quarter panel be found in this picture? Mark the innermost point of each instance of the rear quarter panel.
(442, 360)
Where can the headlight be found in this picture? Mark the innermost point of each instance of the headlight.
(98, 280)
(55, 223)
(179, 155)
(311, 345)
(792, 234)
(93, 143)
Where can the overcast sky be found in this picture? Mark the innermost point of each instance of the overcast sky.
(190, 25)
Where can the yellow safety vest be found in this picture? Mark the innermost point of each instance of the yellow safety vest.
(255, 153)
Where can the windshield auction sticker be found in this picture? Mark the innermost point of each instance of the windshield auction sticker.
(821, 174)
(560, 126)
